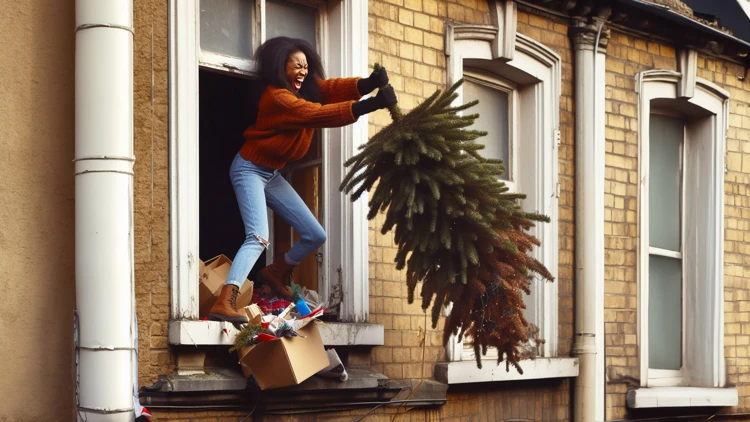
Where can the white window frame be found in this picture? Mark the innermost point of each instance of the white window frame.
(240, 65)
(346, 251)
(536, 69)
(703, 248)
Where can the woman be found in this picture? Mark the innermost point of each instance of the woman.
(296, 99)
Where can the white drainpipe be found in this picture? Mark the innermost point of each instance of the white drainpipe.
(589, 316)
(104, 210)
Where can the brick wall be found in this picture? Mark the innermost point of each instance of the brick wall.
(627, 55)
(407, 37)
(151, 187)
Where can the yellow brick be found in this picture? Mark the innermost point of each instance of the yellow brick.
(413, 35)
(414, 86)
(406, 17)
(456, 12)
(401, 355)
(734, 161)
(633, 54)
(421, 21)
(379, 9)
(413, 4)
(538, 21)
(553, 39)
(391, 29)
(422, 72)
(407, 68)
(407, 51)
(437, 25)
(616, 66)
(382, 354)
(418, 54)
(430, 7)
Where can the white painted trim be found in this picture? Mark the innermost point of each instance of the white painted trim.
(704, 279)
(590, 121)
(540, 368)
(505, 19)
(183, 154)
(215, 333)
(346, 251)
(664, 252)
(681, 397)
(688, 67)
(541, 65)
(227, 63)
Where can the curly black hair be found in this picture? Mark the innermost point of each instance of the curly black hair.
(272, 57)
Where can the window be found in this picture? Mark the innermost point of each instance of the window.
(666, 184)
(680, 310)
(211, 71)
(519, 99)
(498, 100)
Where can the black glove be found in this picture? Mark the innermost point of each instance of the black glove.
(377, 79)
(386, 97)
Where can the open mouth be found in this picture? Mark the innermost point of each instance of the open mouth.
(298, 83)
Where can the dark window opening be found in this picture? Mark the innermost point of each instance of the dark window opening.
(226, 109)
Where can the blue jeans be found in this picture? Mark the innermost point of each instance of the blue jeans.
(256, 188)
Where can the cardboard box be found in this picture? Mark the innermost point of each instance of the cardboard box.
(213, 275)
(246, 371)
(254, 314)
(287, 361)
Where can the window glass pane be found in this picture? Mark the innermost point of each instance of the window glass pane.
(493, 118)
(289, 19)
(226, 27)
(665, 180)
(664, 313)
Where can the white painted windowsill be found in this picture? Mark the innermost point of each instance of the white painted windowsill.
(682, 397)
(467, 372)
(215, 333)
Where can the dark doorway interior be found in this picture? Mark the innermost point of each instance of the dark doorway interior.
(226, 109)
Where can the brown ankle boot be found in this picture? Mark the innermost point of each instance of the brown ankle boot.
(278, 276)
(225, 308)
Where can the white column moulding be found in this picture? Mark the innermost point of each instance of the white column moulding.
(104, 210)
(589, 314)
(505, 19)
(346, 251)
(183, 157)
(688, 67)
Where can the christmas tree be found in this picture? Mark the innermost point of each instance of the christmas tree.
(458, 229)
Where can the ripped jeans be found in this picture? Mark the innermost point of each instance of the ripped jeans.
(256, 188)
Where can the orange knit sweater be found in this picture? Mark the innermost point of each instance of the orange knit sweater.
(286, 123)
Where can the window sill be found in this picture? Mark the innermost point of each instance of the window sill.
(681, 397)
(214, 333)
(540, 368)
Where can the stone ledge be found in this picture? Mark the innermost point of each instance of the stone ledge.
(641, 398)
(465, 372)
(215, 333)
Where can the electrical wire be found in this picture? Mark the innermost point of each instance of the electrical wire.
(257, 399)
(342, 406)
(386, 403)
